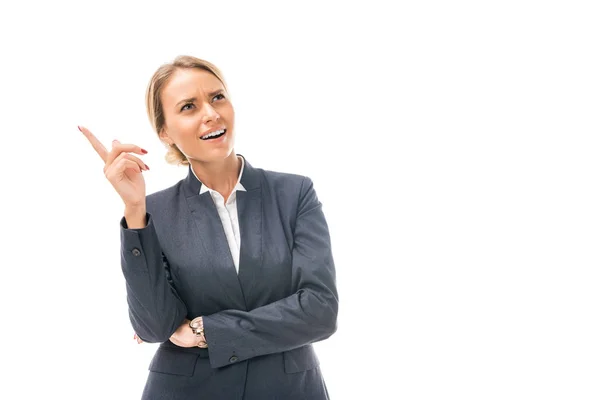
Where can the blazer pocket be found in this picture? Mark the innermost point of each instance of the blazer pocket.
(173, 362)
(300, 359)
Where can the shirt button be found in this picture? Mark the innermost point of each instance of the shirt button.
(136, 252)
(233, 359)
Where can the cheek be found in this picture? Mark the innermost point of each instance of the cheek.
(187, 127)
(228, 113)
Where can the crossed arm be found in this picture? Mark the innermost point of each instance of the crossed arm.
(158, 314)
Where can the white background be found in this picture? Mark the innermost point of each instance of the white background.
(454, 146)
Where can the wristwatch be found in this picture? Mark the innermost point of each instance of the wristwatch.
(198, 328)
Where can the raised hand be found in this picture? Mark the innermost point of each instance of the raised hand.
(122, 169)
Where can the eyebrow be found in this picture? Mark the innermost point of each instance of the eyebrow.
(192, 99)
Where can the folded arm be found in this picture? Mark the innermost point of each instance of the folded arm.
(307, 316)
(155, 308)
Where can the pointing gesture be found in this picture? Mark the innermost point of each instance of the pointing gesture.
(122, 169)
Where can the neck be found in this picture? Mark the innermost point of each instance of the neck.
(219, 175)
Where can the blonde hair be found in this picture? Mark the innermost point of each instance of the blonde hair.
(154, 106)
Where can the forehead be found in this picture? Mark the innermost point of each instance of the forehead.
(189, 82)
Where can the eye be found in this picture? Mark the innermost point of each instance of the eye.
(185, 105)
(219, 96)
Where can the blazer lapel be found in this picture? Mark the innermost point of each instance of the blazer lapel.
(250, 217)
(213, 241)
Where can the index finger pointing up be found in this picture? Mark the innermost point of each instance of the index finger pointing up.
(99, 147)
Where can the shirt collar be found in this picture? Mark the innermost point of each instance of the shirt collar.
(238, 185)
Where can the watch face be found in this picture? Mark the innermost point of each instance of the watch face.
(195, 323)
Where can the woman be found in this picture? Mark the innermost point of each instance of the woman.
(230, 269)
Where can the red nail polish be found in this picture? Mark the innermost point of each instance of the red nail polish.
(144, 151)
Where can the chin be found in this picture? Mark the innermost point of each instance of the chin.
(214, 156)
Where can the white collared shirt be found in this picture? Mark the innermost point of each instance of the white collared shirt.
(228, 214)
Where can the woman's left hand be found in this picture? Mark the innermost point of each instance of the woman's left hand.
(184, 337)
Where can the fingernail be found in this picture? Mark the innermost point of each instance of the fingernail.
(144, 151)
(147, 167)
(78, 127)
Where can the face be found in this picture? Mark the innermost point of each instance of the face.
(199, 117)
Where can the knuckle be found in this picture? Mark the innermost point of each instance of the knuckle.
(134, 159)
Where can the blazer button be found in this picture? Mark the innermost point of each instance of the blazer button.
(233, 359)
(136, 252)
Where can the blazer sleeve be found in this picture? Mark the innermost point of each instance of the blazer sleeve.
(307, 316)
(155, 308)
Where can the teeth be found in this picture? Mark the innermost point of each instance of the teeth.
(212, 134)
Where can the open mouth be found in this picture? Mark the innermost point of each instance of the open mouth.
(214, 135)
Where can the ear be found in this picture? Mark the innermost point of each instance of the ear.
(164, 137)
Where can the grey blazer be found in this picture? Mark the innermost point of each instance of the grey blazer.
(259, 324)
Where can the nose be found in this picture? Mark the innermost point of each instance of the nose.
(210, 114)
